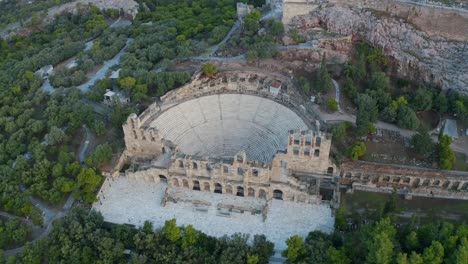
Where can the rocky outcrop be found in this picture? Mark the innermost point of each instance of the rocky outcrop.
(417, 55)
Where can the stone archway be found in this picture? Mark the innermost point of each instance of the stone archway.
(240, 191)
(251, 192)
(162, 178)
(278, 194)
(218, 188)
(196, 185)
(262, 194)
(175, 182)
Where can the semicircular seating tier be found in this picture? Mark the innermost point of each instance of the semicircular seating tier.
(222, 125)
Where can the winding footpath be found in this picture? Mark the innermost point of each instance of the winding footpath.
(49, 214)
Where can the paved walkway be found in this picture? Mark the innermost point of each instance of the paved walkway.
(337, 95)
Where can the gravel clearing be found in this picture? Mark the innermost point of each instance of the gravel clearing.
(133, 202)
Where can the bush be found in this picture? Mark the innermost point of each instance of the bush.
(332, 104)
(357, 150)
(209, 69)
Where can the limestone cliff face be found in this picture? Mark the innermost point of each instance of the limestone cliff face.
(417, 55)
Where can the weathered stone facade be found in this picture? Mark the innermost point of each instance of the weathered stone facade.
(307, 154)
(407, 180)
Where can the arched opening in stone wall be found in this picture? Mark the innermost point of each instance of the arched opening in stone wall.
(455, 185)
(175, 182)
(185, 182)
(206, 186)
(278, 194)
(318, 141)
(218, 188)
(196, 185)
(416, 182)
(436, 183)
(195, 166)
(261, 194)
(229, 189)
(445, 184)
(163, 150)
(386, 179)
(407, 180)
(255, 172)
(251, 192)
(181, 164)
(162, 178)
(396, 179)
(240, 191)
(330, 170)
(425, 183)
(317, 152)
(465, 186)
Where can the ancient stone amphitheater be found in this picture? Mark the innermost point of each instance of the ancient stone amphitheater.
(222, 125)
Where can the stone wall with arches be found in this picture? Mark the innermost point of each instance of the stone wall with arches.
(412, 180)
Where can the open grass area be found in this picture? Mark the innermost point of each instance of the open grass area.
(369, 204)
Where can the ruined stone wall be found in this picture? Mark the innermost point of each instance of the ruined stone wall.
(292, 8)
(413, 180)
(140, 141)
(307, 151)
(238, 81)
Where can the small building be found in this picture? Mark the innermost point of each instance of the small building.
(115, 74)
(111, 97)
(275, 87)
(243, 10)
(45, 71)
(450, 128)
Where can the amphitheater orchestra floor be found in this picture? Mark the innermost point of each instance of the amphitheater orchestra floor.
(133, 202)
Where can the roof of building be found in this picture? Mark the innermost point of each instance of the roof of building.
(450, 128)
(276, 84)
(109, 93)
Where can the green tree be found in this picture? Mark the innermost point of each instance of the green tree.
(190, 237)
(357, 150)
(171, 231)
(294, 250)
(440, 103)
(277, 28)
(422, 100)
(445, 153)
(252, 259)
(102, 154)
(55, 136)
(434, 254)
(415, 258)
(460, 255)
(337, 256)
(127, 84)
(332, 105)
(339, 130)
(379, 81)
(99, 127)
(388, 114)
(411, 241)
(422, 142)
(406, 118)
(367, 113)
(324, 81)
(350, 88)
(209, 69)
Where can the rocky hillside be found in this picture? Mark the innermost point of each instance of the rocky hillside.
(418, 56)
